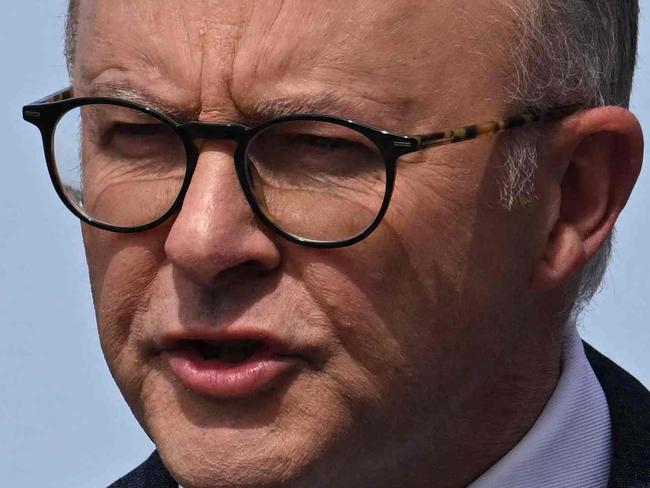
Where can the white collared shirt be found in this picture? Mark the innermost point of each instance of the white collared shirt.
(569, 446)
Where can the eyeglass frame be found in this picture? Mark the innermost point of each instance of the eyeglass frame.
(46, 113)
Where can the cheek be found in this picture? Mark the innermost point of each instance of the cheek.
(122, 269)
(447, 211)
(383, 315)
(427, 287)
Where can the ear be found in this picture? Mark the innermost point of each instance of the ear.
(597, 163)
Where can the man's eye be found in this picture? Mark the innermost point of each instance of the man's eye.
(321, 142)
(123, 136)
(123, 140)
(136, 130)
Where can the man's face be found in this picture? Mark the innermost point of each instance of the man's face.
(386, 345)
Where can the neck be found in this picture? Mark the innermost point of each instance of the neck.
(489, 422)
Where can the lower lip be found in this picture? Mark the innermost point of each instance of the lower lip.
(224, 380)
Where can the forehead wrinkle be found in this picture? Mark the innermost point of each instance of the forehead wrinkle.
(219, 44)
(399, 84)
(150, 25)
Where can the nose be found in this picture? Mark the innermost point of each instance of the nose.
(216, 231)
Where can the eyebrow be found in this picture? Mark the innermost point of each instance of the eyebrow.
(323, 103)
(327, 102)
(124, 91)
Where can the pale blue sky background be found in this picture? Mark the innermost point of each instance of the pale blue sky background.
(63, 422)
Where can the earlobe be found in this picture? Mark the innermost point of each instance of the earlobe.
(565, 255)
(603, 152)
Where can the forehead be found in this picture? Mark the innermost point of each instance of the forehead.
(400, 59)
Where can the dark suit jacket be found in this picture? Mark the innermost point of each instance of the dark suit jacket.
(629, 407)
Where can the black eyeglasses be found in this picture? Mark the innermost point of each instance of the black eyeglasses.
(316, 180)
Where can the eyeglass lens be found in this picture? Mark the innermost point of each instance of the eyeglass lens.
(315, 180)
(117, 165)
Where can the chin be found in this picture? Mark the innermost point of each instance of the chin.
(273, 439)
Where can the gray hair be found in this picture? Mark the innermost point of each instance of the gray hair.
(565, 52)
(568, 52)
(71, 20)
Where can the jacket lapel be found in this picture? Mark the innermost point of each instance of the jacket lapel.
(629, 408)
(150, 474)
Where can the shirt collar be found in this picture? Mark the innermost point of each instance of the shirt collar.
(569, 446)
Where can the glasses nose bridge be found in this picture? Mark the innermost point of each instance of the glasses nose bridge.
(211, 131)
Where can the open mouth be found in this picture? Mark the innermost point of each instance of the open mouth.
(231, 352)
(230, 368)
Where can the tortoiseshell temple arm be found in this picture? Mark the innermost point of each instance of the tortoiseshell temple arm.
(64, 94)
(472, 131)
